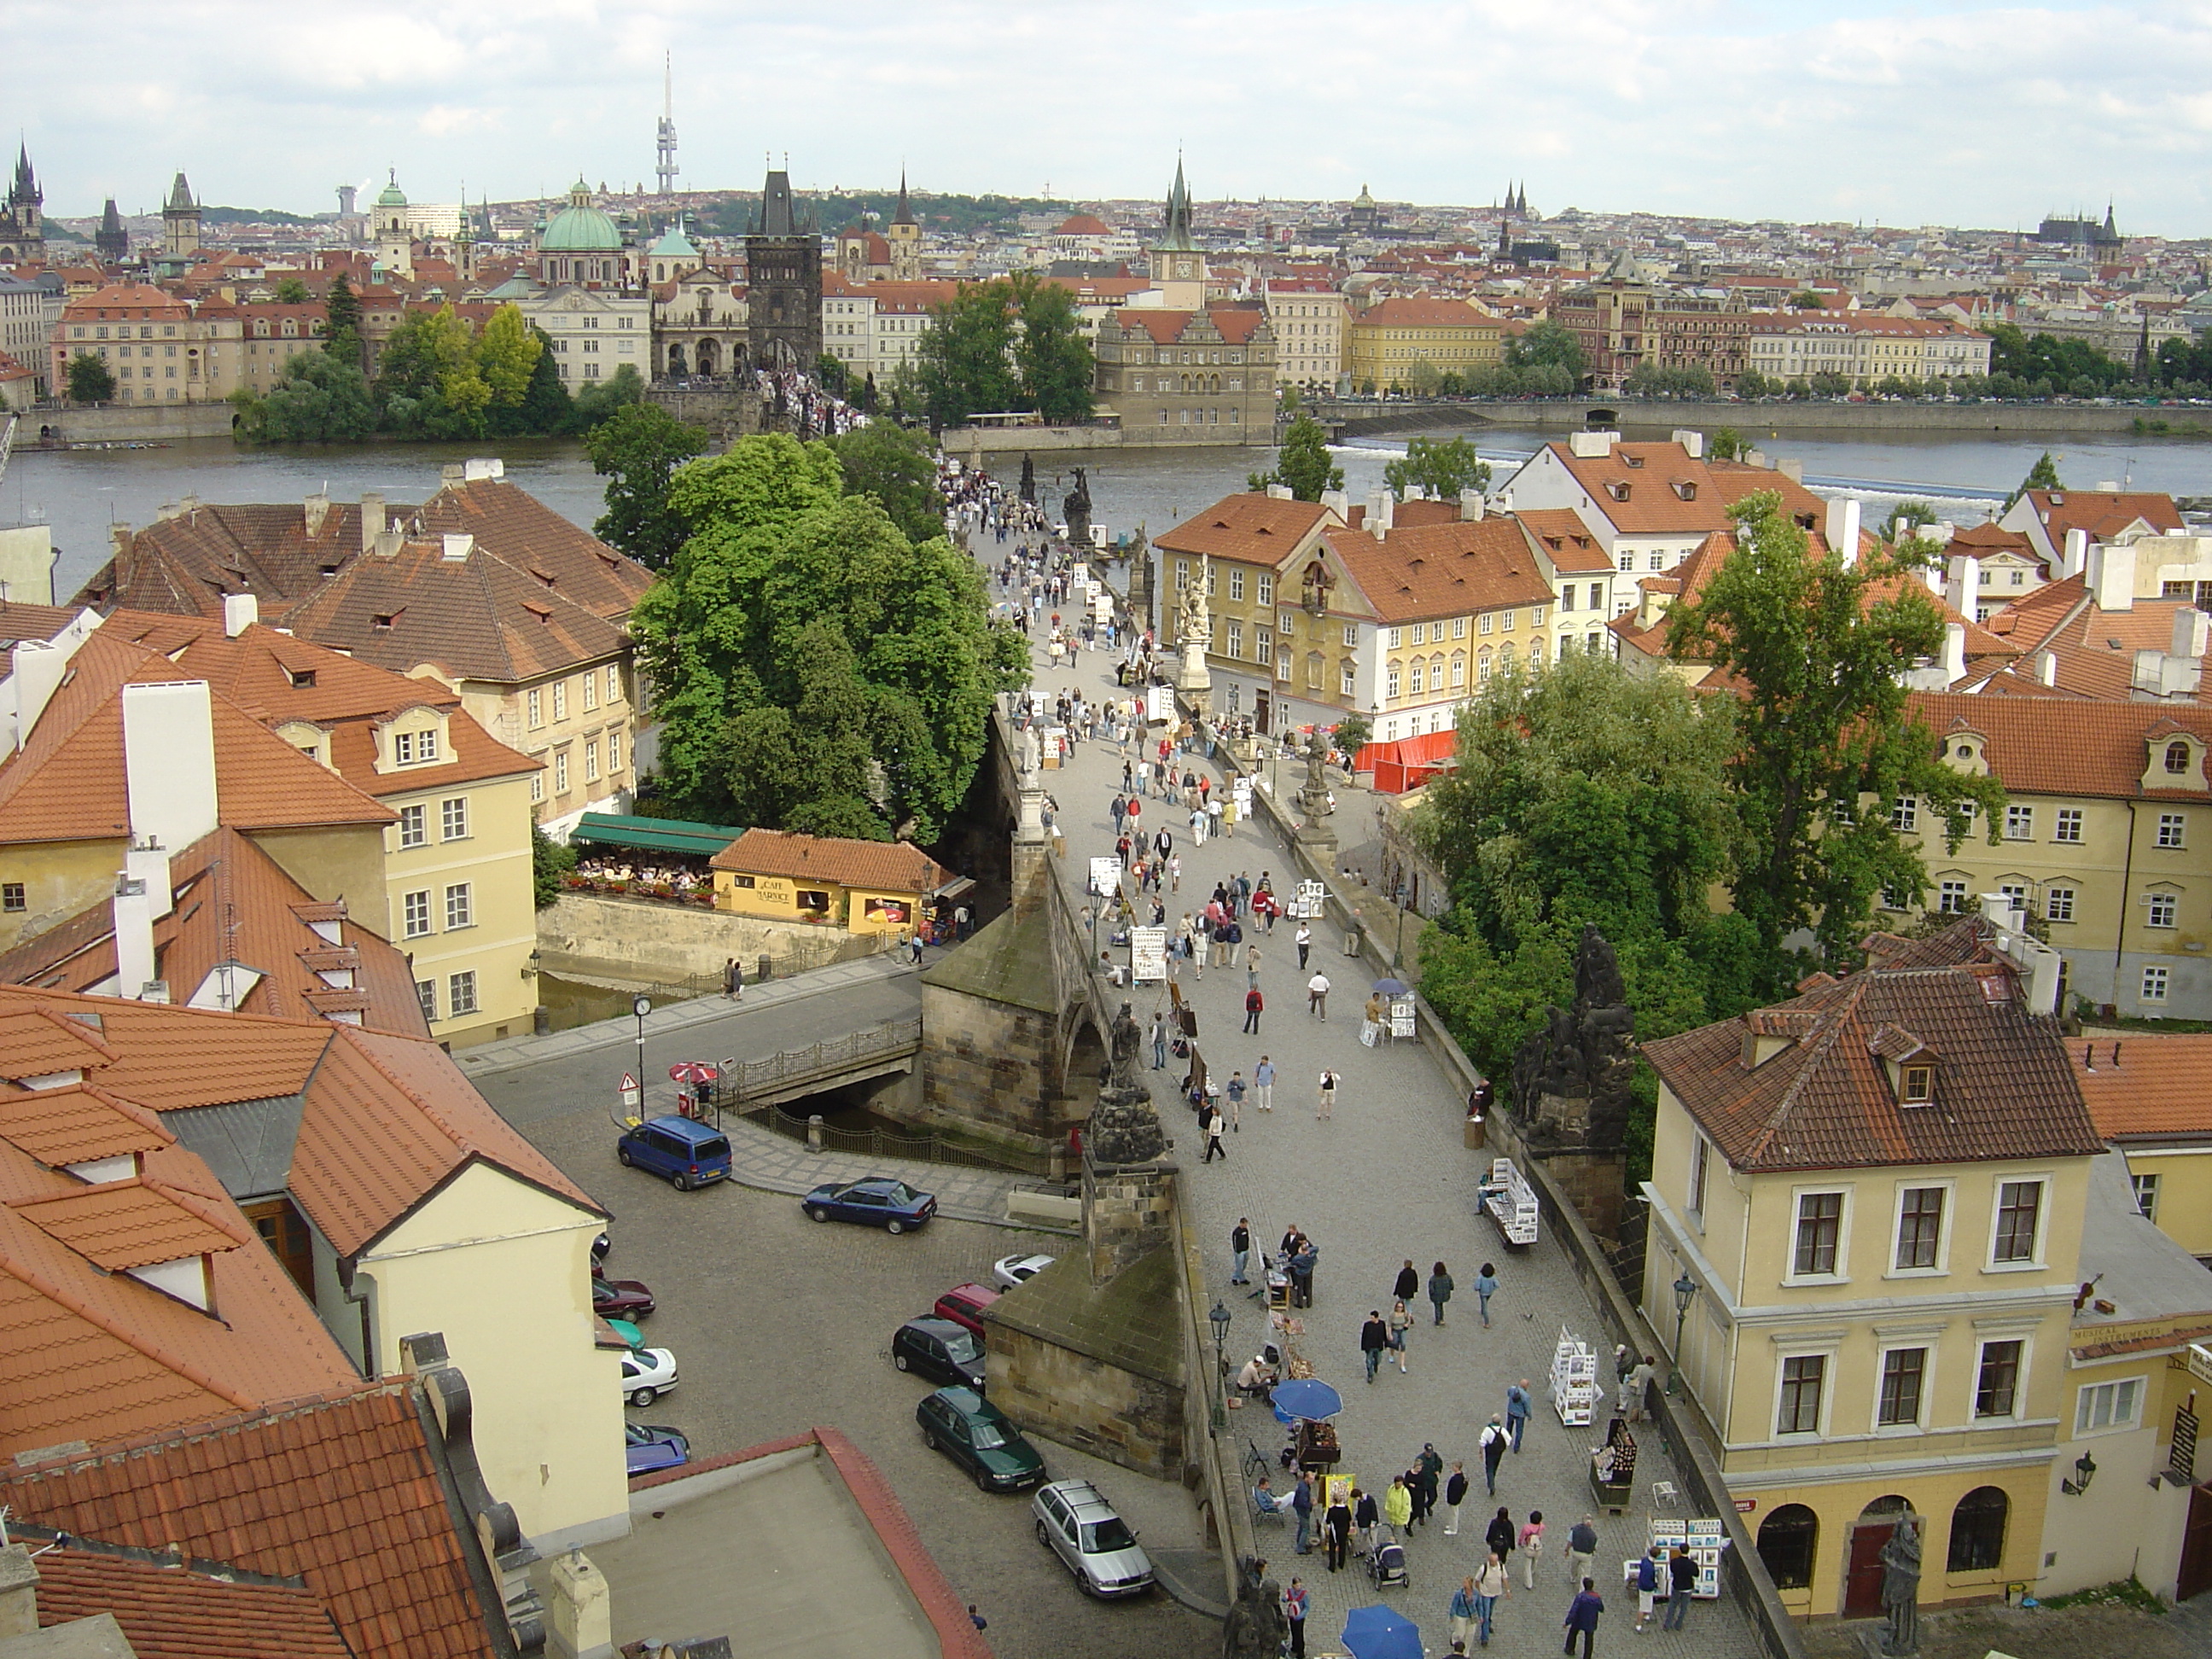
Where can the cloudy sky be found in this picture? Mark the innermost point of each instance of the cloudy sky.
(1943, 111)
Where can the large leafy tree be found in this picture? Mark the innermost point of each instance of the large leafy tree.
(1052, 357)
(964, 361)
(1443, 470)
(1827, 738)
(1303, 462)
(814, 668)
(893, 465)
(507, 355)
(319, 399)
(90, 380)
(342, 338)
(598, 400)
(2044, 474)
(427, 383)
(1547, 343)
(638, 449)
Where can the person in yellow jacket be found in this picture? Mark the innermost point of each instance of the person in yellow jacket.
(1398, 1503)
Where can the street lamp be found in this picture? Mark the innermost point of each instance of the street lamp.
(1685, 1292)
(640, 1007)
(1219, 1320)
(2085, 1470)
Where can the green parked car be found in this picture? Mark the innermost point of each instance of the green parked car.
(976, 1434)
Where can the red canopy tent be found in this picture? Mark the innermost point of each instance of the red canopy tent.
(1407, 763)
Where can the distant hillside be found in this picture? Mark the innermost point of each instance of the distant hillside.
(234, 215)
(951, 214)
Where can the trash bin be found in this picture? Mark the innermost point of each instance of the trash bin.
(764, 975)
(1474, 1134)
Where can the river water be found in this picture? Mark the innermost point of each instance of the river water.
(81, 493)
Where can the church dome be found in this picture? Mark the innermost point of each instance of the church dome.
(579, 227)
(392, 196)
(674, 245)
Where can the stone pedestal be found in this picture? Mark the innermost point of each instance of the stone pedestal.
(1125, 1214)
(1193, 680)
(1592, 1182)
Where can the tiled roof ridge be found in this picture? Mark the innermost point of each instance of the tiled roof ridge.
(22, 992)
(125, 1334)
(144, 1116)
(192, 1202)
(79, 1029)
(1828, 1035)
(249, 1414)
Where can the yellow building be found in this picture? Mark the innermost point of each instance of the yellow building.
(2151, 1095)
(2106, 839)
(861, 886)
(1406, 344)
(162, 349)
(1877, 1191)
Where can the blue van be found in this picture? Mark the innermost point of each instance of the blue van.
(689, 1154)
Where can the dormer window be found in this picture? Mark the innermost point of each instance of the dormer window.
(414, 748)
(1915, 1085)
(1619, 491)
(303, 679)
(2177, 756)
(1686, 490)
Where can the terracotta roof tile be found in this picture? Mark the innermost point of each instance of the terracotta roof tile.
(1249, 528)
(2004, 1087)
(121, 1224)
(40, 1040)
(2102, 512)
(1566, 540)
(515, 527)
(2108, 748)
(1456, 569)
(1422, 312)
(340, 1494)
(175, 1613)
(890, 866)
(60, 1126)
(2147, 1086)
(1234, 325)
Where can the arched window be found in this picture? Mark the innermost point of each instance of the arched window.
(1788, 1540)
(1978, 1530)
(2177, 756)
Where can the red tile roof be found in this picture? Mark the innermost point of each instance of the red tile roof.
(1567, 540)
(2003, 1087)
(2108, 747)
(1452, 569)
(344, 1494)
(1235, 324)
(2146, 1086)
(887, 866)
(80, 1125)
(121, 1224)
(1421, 312)
(175, 1612)
(1249, 528)
(2102, 514)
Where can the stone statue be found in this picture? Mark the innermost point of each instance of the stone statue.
(1194, 625)
(1570, 1079)
(1076, 505)
(1029, 480)
(1125, 1125)
(1900, 1586)
(1313, 798)
(1256, 1627)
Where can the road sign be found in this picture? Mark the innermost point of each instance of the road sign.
(632, 1097)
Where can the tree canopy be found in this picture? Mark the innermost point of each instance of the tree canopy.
(637, 450)
(896, 468)
(1547, 344)
(1302, 462)
(2044, 474)
(1010, 344)
(1827, 740)
(815, 669)
(90, 380)
(1443, 469)
(317, 399)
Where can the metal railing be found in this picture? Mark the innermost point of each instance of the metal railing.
(742, 1080)
(888, 1143)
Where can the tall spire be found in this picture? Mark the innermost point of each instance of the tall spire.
(905, 214)
(25, 192)
(665, 168)
(1175, 236)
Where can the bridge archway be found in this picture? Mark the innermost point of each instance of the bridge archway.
(1081, 1066)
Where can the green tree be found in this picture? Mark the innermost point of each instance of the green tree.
(638, 449)
(1905, 520)
(292, 292)
(546, 406)
(316, 400)
(1650, 380)
(2044, 474)
(964, 362)
(1443, 470)
(1804, 300)
(427, 383)
(550, 860)
(342, 339)
(1547, 343)
(1302, 462)
(1830, 384)
(1827, 739)
(1752, 384)
(507, 355)
(813, 668)
(896, 468)
(599, 400)
(1051, 359)
(90, 379)
(831, 374)
(1728, 445)
(1353, 733)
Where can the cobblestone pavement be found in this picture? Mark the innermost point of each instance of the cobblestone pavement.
(1385, 1179)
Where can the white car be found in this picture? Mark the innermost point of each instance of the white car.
(1010, 1271)
(647, 1374)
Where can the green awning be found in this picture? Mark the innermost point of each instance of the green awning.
(653, 835)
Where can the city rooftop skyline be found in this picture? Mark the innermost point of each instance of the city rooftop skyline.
(1954, 113)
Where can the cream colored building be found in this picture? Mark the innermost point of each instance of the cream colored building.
(1309, 321)
(160, 348)
(1876, 1192)
(1864, 346)
(1406, 344)
(591, 332)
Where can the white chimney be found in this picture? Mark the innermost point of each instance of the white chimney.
(134, 937)
(2046, 667)
(1502, 503)
(1693, 443)
(459, 545)
(240, 612)
(1591, 445)
(372, 518)
(2112, 576)
(1964, 590)
(1381, 506)
(1281, 493)
(2109, 487)
(1954, 653)
(319, 508)
(474, 470)
(1337, 502)
(1470, 504)
(168, 760)
(1842, 529)
(2073, 557)
(148, 861)
(2192, 632)
(39, 670)
(1792, 468)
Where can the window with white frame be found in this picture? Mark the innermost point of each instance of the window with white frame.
(1236, 586)
(1903, 1386)
(559, 700)
(1347, 679)
(412, 830)
(1817, 1251)
(560, 771)
(1997, 1378)
(415, 914)
(614, 684)
(2146, 1191)
(534, 702)
(2161, 910)
(1920, 1229)
(2018, 1234)
(414, 748)
(2155, 979)
(2068, 827)
(591, 760)
(1904, 814)
(2058, 903)
(537, 786)
(461, 992)
(1264, 594)
(1804, 1378)
(591, 691)
(615, 749)
(1393, 638)
(2019, 822)
(461, 905)
(2108, 1407)
(454, 819)
(1236, 639)
(1700, 1165)
(425, 993)
(1952, 897)
(1459, 628)
(2171, 827)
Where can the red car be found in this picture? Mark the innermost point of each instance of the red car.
(621, 1298)
(964, 1305)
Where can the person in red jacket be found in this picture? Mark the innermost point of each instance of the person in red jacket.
(1254, 1002)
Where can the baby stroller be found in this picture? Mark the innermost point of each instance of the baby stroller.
(1386, 1559)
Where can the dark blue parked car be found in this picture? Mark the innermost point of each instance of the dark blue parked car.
(648, 1446)
(880, 1202)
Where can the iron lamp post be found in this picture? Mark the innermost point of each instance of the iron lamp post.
(1685, 1292)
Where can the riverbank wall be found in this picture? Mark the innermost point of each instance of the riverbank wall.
(1771, 420)
(117, 423)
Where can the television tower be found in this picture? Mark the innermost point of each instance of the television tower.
(665, 168)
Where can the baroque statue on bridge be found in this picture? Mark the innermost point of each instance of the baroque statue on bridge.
(1570, 1079)
(1125, 1125)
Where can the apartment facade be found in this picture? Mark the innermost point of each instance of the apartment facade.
(1188, 377)
(1308, 317)
(160, 348)
(875, 328)
(1864, 347)
(1877, 1191)
(592, 332)
(272, 335)
(1405, 344)
(1624, 324)
(30, 307)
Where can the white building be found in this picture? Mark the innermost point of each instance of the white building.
(1309, 319)
(594, 331)
(1865, 346)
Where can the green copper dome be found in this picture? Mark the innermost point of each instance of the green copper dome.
(391, 195)
(579, 227)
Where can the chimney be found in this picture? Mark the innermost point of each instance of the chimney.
(1757, 458)
(2108, 487)
(1337, 502)
(388, 540)
(148, 860)
(477, 469)
(319, 508)
(1954, 654)
(2046, 667)
(1470, 505)
(372, 518)
(118, 544)
(1791, 468)
(1964, 590)
(1503, 502)
(2112, 576)
(39, 670)
(459, 545)
(1693, 443)
(2073, 557)
(19, 1594)
(1277, 492)
(2192, 632)
(240, 612)
(1381, 506)
(1842, 528)
(452, 473)
(1591, 445)
(168, 760)
(133, 913)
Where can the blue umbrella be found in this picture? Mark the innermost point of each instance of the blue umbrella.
(1305, 1397)
(1381, 1634)
(1392, 987)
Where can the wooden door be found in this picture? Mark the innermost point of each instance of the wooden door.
(2197, 1545)
(1259, 711)
(1863, 1582)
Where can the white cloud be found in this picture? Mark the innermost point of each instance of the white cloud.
(1963, 113)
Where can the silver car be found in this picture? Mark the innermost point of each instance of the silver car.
(1081, 1527)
